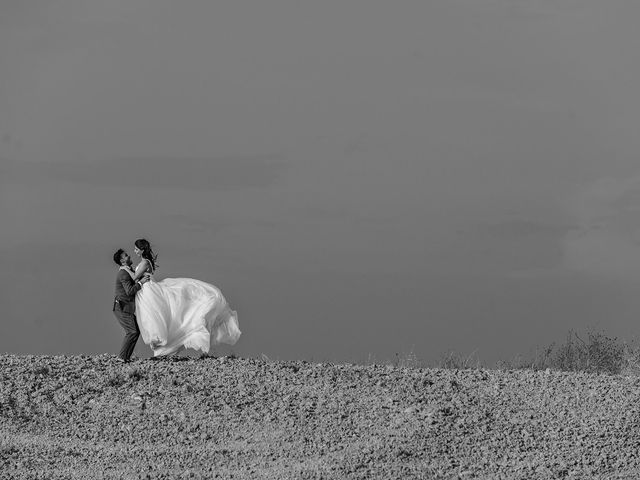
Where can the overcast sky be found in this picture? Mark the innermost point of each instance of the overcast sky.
(359, 177)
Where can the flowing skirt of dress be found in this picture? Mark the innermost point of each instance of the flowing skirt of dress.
(178, 313)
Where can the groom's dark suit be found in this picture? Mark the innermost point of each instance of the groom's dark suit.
(124, 308)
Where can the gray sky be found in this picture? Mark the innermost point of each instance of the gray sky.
(359, 177)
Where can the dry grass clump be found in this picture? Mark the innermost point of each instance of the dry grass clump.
(454, 360)
(407, 360)
(631, 361)
(597, 353)
(594, 352)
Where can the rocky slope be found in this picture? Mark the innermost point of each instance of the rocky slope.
(81, 417)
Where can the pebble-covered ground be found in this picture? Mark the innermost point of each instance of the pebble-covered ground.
(84, 417)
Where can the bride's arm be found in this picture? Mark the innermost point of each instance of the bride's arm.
(141, 269)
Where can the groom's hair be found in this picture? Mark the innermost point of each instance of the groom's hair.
(117, 256)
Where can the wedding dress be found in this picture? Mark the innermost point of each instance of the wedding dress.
(179, 313)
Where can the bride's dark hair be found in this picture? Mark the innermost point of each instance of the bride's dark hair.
(147, 252)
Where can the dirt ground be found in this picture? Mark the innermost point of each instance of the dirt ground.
(84, 417)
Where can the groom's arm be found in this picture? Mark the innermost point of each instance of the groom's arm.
(128, 284)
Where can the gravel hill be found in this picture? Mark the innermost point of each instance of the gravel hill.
(83, 417)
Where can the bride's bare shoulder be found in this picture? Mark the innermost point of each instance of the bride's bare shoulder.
(144, 265)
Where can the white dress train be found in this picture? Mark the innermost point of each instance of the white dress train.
(178, 313)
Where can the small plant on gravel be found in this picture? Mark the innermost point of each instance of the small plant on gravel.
(44, 370)
(10, 404)
(136, 374)
(116, 380)
(7, 451)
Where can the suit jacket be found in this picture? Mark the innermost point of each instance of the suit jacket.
(125, 296)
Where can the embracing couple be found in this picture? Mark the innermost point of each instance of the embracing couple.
(170, 315)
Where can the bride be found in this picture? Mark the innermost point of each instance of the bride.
(179, 313)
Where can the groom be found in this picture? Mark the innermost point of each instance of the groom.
(124, 304)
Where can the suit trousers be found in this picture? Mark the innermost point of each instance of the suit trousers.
(132, 332)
